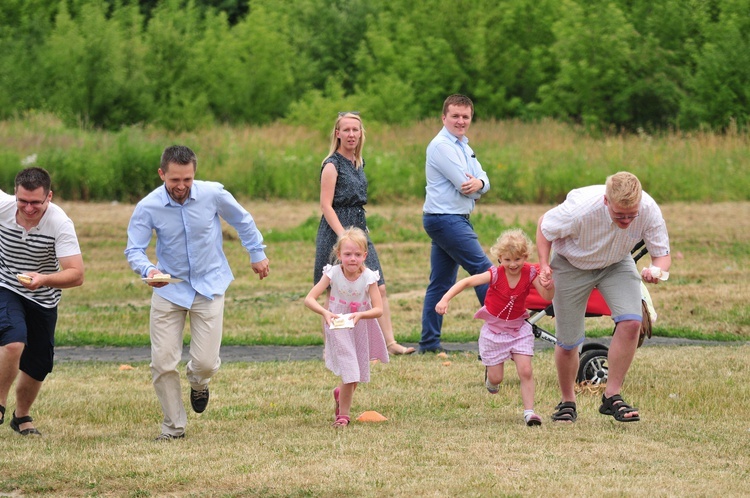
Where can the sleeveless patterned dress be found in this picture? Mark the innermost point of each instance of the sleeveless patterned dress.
(348, 351)
(349, 198)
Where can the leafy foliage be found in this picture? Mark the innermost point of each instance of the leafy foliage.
(186, 64)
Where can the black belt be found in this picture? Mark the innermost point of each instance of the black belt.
(448, 214)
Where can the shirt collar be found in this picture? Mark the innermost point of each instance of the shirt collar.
(168, 201)
(453, 138)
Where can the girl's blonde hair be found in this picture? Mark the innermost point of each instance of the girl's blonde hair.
(513, 243)
(336, 141)
(352, 234)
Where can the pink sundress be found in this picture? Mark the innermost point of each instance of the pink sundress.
(348, 351)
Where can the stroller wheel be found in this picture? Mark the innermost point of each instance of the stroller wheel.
(592, 367)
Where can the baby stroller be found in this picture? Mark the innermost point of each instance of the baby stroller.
(592, 366)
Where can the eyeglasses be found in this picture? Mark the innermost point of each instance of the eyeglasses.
(34, 204)
(344, 113)
(625, 217)
(618, 216)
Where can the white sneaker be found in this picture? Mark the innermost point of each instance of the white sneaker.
(533, 419)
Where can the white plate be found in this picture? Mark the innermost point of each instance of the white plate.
(346, 323)
(657, 272)
(157, 280)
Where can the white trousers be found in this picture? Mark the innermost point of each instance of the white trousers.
(167, 326)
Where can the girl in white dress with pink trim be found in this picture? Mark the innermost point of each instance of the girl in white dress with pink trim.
(506, 334)
(352, 334)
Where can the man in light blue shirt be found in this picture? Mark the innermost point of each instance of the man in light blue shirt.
(455, 181)
(185, 214)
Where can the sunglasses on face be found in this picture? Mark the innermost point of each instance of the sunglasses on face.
(344, 113)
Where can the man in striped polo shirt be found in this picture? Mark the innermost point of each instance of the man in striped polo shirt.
(39, 256)
(591, 236)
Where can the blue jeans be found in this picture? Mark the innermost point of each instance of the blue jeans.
(454, 243)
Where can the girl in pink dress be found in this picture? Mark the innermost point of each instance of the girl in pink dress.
(352, 334)
(506, 333)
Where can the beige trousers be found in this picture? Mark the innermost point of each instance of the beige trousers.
(167, 326)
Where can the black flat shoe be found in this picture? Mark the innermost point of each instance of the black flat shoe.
(16, 422)
(2, 414)
(436, 350)
(199, 400)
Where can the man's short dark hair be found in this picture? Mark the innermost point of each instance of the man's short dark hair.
(178, 154)
(458, 100)
(33, 178)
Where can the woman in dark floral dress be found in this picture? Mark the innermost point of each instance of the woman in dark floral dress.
(343, 194)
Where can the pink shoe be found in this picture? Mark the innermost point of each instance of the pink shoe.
(341, 421)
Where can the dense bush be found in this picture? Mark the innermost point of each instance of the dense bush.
(185, 64)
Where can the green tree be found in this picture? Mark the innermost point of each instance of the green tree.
(92, 67)
(24, 24)
(405, 73)
(594, 49)
(719, 91)
(183, 64)
(671, 31)
(235, 10)
(513, 55)
(257, 68)
(325, 36)
(174, 68)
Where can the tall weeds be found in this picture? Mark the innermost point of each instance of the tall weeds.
(526, 162)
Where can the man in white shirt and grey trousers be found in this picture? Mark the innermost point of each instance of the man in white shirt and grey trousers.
(591, 236)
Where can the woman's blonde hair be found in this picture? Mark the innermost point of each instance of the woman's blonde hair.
(512, 243)
(352, 234)
(624, 190)
(336, 141)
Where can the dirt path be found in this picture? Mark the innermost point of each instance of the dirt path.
(301, 353)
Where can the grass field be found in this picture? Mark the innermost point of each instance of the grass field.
(267, 428)
(267, 433)
(705, 297)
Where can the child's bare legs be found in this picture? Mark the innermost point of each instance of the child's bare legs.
(495, 373)
(346, 393)
(523, 365)
(526, 376)
(494, 376)
(386, 326)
